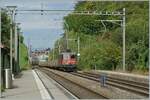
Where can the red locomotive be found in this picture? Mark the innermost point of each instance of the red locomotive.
(67, 61)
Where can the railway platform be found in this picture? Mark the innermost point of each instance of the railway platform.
(34, 85)
(24, 88)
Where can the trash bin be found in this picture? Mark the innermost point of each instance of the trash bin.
(8, 78)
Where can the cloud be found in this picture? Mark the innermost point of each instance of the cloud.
(39, 27)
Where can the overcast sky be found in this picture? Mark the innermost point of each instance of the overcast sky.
(41, 30)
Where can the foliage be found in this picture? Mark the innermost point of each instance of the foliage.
(104, 49)
(6, 25)
(5, 29)
(24, 63)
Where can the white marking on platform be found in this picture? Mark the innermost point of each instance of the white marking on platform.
(44, 93)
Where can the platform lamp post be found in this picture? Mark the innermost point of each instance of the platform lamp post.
(11, 10)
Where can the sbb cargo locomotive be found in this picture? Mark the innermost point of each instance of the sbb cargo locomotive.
(67, 61)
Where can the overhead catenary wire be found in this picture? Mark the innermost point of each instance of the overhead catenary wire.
(98, 13)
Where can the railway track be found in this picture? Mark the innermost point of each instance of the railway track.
(140, 88)
(80, 91)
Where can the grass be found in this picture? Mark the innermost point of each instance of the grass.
(23, 61)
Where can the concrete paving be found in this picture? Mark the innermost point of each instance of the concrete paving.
(24, 88)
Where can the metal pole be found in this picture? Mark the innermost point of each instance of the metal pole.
(0, 59)
(16, 47)
(78, 45)
(59, 47)
(30, 53)
(53, 53)
(12, 10)
(67, 39)
(78, 55)
(104, 26)
(94, 63)
(11, 42)
(18, 51)
(124, 28)
(29, 50)
(66, 35)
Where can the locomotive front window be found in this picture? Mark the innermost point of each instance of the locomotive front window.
(72, 56)
(65, 56)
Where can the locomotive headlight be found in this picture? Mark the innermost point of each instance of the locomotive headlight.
(78, 54)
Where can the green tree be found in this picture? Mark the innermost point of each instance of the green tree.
(107, 46)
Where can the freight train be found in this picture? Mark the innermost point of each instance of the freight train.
(66, 61)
